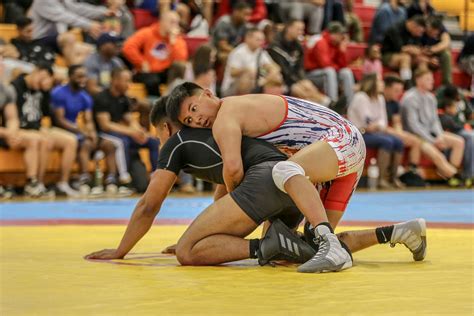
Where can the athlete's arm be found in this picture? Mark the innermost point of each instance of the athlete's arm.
(228, 136)
(142, 218)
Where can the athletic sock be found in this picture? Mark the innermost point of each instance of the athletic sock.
(405, 74)
(254, 246)
(384, 234)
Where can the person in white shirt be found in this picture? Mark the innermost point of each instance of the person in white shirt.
(249, 67)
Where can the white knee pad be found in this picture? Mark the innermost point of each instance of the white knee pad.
(283, 171)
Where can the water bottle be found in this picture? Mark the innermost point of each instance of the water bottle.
(98, 180)
(373, 175)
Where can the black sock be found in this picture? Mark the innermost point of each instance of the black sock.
(384, 234)
(254, 246)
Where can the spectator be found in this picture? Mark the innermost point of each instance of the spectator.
(51, 19)
(32, 102)
(34, 145)
(259, 9)
(401, 48)
(101, 64)
(310, 11)
(203, 64)
(437, 42)
(195, 17)
(367, 111)
(153, 49)
(249, 68)
(29, 50)
(69, 101)
(420, 117)
(353, 23)
(327, 59)
(15, 9)
(121, 22)
(287, 52)
(466, 58)
(176, 74)
(420, 7)
(115, 123)
(372, 61)
(230, 30)
(389, 14)
(448, 93)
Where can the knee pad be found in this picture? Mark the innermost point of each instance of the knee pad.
(283, 171)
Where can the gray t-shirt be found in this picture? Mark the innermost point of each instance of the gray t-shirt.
(226, 30)
(100, 69)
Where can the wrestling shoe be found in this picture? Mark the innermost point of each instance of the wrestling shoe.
(281, 243)
(413, 235)
(331, 256)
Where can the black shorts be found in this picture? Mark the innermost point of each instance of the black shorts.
(3, 144)
(261, 200)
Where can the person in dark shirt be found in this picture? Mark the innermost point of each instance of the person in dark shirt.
(112, 112)
(287, 53)
(401, 46)
(32, 102)
(217, 235)
(420, 7)
(31, 51)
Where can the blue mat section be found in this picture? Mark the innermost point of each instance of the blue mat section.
(436, 206)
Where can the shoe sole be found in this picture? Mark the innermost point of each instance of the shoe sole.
(420, 253)
(345, 266)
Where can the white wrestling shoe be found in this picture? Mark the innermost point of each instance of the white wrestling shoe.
(331, 256)
(412, 234)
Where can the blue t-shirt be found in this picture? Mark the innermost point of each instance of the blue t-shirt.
(72, 102)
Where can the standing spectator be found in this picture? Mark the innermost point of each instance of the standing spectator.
(287, 52)
(388, 15)
(437, 42)
(401, 48)
(328, 59)
(153, 49)
(229, 30)
(34, 145)
(69, 101)
(420, 117)
(31, 51)
(32, 102)
(372, 61)
(367, 111)
(310, 11)
(249, 68)
(101, 64)
(115, 123)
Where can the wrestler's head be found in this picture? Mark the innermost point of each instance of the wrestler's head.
(193, 106)
(164, 126)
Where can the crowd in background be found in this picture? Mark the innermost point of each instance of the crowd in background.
(297, 48)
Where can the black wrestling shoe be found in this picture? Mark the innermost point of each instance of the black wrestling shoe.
(281, 243)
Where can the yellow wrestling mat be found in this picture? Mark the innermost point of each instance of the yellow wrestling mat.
(43, 273)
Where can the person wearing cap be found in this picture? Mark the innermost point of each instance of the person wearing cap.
(327, 59)
(101, 64)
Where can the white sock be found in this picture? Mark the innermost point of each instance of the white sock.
(405, 74)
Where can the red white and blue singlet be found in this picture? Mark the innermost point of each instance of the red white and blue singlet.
(307, 122)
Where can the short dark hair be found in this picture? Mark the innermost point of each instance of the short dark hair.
(419, 20)
(23, 21)
(116, 72)
(390, 80)
(292, 21)
(42, 66)
(202, 60)
(241, 5)
(158, 111)
(72, 69)
(435, 22)
(451, 92)
(177, 96)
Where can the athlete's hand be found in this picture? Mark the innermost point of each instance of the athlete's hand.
(169, 250)
(105, 254)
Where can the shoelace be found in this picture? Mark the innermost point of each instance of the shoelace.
(323, 247)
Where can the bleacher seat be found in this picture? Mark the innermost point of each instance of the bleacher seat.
(138, 91)
(8, 31)
(193, 43)
(454, 7)
(143, 18)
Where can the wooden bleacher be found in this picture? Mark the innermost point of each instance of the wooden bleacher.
(8, 31)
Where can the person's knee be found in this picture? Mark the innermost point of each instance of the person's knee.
(346, 74)
(330, 73)
(283, 171)
(398, 144)
(184, 255)
(108, 147)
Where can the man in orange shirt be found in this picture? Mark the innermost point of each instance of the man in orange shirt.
(153, 49)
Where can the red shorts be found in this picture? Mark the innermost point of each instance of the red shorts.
(336, 194)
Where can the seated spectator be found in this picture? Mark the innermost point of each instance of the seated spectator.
(29, 50)
(229, 30)
(50, 19)
(327, 59)
(176, 74)
(389, 14)
(372, 61)
(101, 64)
(310, 11)
(153, 49)
(121, 22)
(195, 17)
(203, 64)
(15, 9)
(367, 111)
(33, 145)
(420, 117)
(437, 42)
(68, 102)
(259, 11)
(420, 7)
(287, 52)
(32, 102)
(401, 48)
(353, 23)
(466, 58)
(249, 68)
(448, 93)
(115, 123)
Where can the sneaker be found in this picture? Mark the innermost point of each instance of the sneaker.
(111, 189)
(454, 182)
(32, 189)
(84, 189)
(63, 188)
(468, 183)
(413, 235)
(45, 192)
(97, 190)
(331, 256)
(7, 192)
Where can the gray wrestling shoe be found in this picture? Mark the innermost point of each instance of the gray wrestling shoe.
(413, 235)
(331, 256)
